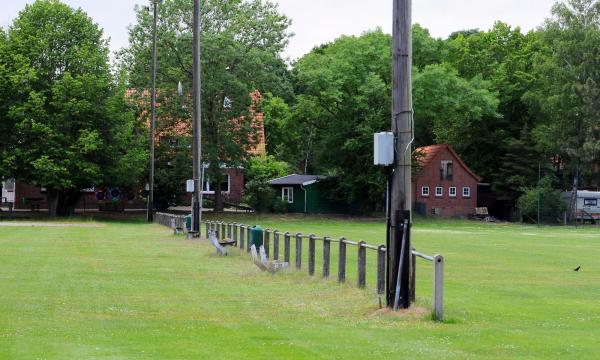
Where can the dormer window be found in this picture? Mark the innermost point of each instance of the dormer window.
(446, 170)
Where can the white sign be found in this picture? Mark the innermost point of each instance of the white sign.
(189, 186)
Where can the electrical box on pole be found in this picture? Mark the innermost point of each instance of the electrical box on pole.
(383, 152)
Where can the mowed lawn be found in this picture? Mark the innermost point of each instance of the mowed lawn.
(110, 290)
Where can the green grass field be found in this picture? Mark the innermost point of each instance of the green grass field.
(127, 290)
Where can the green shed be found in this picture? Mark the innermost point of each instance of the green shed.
(308, 194)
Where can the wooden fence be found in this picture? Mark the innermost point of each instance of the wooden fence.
(175, 222)
(240, 233)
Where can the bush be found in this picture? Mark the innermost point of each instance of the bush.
(550, 202)
(260, 195)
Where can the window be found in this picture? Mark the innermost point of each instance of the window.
(439, 191)
(590, 202)
(208, 187)
(287, 194)
(425, 191)
(452, 191)
(446, 170)
(466, 191)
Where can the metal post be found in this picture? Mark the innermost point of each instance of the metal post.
(150, 204)
(196, 122)
(438, 287)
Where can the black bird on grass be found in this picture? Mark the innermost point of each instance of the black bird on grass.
(577, 268)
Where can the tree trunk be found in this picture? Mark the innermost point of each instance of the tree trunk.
(52, 197)
(62, 202)
(218, 197)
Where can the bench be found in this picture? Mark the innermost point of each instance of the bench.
(264, 264)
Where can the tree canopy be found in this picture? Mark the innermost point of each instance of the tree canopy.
(68, 124)
(241, 46)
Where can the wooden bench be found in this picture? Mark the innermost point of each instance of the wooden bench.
(264, 264)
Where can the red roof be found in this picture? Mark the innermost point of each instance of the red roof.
(429, 153)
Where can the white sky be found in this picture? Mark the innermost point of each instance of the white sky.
(318, 21)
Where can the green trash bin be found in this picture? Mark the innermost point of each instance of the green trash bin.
(188, 222)
(256, 236)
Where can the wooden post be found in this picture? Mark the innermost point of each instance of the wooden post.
(311, 254)
(413, 277)
(223, 230)
(248, 230)
(266, 241)
(342, 261)
(235, 233)
(228, 231)
(402, 127)
(242, 232)
(286, 248)
(438, 288)
(276, 245)
(326, 256)
(298, 251)
(381, 269)
(362, 264)
(207, 228)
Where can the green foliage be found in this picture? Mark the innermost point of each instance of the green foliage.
(241, 42)
(265, 168)
(543, 198)
(258, 192)
(344, 97)
(260, 195)
(567, 94)
(66, 121)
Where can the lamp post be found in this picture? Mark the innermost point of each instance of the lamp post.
(196, 124)
(149, 214)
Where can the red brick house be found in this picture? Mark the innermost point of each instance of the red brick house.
(444, 186)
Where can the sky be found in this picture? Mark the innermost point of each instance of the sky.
(315, 22)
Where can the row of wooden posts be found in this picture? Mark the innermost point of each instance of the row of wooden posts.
(240, 233)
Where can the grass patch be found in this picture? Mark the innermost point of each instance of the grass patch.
(131, 290)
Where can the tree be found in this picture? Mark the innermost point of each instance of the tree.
(343, 98)
(259, 193)
(503, 56)
(69, 125)
(241, 46)
(543, 199)
(567, 93)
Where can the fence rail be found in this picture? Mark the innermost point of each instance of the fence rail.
(240, 233)
(175, 222)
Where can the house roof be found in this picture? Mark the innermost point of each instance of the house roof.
(296, 179)
(429, 153)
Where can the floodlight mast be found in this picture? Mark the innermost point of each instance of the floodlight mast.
(196, 123)
(150, 207)
(399, 247)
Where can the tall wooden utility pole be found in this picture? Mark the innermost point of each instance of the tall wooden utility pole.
(196, 126)
(399, 235)
(150, 208)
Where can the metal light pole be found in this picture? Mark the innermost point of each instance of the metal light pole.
(196, 124)
(399, 249)
(149, 214)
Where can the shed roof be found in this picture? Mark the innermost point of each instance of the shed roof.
(296, 179)
(429, 153)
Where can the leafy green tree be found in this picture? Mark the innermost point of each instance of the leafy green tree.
(344, 96)
(69, 125)
(567, 93)
(502, 56)
(543, 198)
(241, 46)
(260, 169)
(463, 113)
